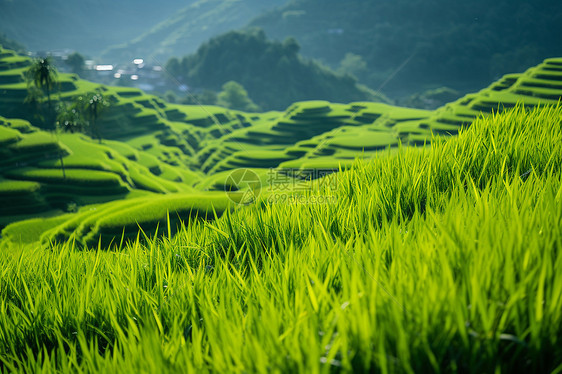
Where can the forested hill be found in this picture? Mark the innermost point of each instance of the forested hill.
(273, 73)
(461, 44)
(8, 43)
(185, 30)
(88, 26)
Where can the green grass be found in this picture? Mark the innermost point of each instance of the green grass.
(363, 140)
(86, 154)
(35, 141)
(8, 135)
(440, 259)
(86, 178)
(32, 177)
(112, 222)
(143, 179)
(30, 231)
(163, 148)
(16, 124)
(182, 136)
(20, 198)
(321, 163)
(8, 187)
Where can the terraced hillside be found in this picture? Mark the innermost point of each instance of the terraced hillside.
(160, 160)
(322, 134)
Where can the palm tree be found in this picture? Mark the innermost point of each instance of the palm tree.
(71, 118)
(95, 103)
(33, 100)
(43, 74)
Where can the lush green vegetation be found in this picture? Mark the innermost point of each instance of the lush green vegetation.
(8, 43)
(387, 47)
(443, 258)
(190, 26)
(151, 148)
(137, 251)
(463, 45)
(331, 234)
(273, 72)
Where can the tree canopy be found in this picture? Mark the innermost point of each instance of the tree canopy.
(272, 72)
(76, 63)
(461, 44)
(234, 96)
(8, 43)
(42, 77)
(82, 113)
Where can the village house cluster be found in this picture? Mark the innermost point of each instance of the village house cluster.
(137, 73)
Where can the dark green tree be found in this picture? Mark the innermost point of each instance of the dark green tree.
(234, 96)
(291, 46)
(34, 100)
(43, 75)
(353, 65)
(94, 105)
(76, 62)
(207, 97)
(173, 68)
(70, 118)
(273, 73)
(82, 114)
(170, 96)
(8, 43)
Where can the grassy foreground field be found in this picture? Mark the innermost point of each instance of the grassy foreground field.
(438, 259)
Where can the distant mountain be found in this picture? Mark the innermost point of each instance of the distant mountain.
(186, 29)
(413, 45)
(88, 26)
(273, 72)
(8, 43)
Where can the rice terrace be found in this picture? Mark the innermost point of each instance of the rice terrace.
(278, 200)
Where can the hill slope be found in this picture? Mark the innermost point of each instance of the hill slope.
(433, 260)
(274, 73)
(188, 28)
(184, 156)
(88, 26)
(463, 45)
